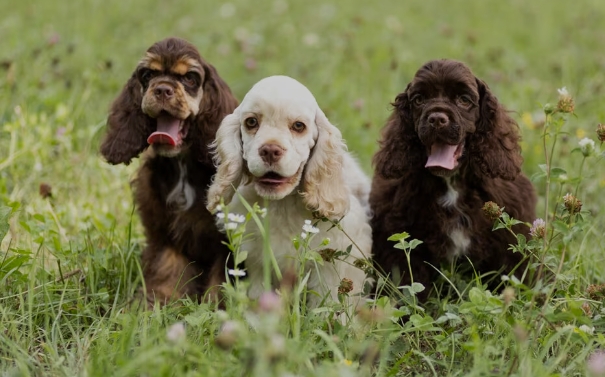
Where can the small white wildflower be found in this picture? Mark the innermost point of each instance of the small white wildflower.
(176, 332)
(236, 272)
(587, 146)
(262, 212)
(241, 34)
(307, 222)
(303, 235)
(236, 218)
(227, 10)
(310, 229)
(220, 215)
(219, 208)
(563, 91)
(311, 39)
(566, 102)
(231, 226)
(280, 6)
(587, 329)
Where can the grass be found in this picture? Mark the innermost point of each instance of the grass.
(69, 264)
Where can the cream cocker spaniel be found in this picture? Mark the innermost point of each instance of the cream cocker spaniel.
(278, 145)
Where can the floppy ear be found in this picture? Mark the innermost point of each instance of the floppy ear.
(127, 125)
(217, 102)
(495, 149)
(325, 189)
(228, 156)
(400, 147)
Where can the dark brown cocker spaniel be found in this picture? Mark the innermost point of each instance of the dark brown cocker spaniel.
(173, 103)
(448, 148)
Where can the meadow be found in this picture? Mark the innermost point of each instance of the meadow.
(70, 238)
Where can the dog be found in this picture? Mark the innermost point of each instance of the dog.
(448, 147)
(278, 149)
(171, 108)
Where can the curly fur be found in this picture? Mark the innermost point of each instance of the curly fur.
(311, 174)
(442, 206)
(184, 252)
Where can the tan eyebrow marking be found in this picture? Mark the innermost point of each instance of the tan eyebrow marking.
(182, 66)
(152, 61)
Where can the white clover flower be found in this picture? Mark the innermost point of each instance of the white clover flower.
(587, 146)
(538, 228)
(176, 332)
(231, 226)
(227, 10)
(563, 92)
(236, 218)
(586, 329)
(311, 39)
(310, 228)
(303, 235)
(596, 363)
(220, 215)
(236, 272)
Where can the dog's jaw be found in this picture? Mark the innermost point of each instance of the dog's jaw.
(273, 186)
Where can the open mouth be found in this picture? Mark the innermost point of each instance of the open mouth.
(170, 131)
(272, 179)
(444, 156)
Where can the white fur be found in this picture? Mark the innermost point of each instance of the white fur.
(182, 195)
(461, 243)
(324, 179)
(451, 196)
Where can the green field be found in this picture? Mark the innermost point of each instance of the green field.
(69, 264)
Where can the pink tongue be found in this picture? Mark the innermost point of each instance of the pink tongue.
(168, 128)
(442, 155)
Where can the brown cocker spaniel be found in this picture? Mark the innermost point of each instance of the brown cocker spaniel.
(448, 148)
(173, 104)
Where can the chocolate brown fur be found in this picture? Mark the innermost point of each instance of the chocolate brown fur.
(184, 253)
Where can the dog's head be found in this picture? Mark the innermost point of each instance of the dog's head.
(277, 139)
(447, 116)
(444, 102)
(173, 98)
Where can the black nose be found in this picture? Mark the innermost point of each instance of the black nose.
(438, 120)
(271, 153)
(163, 91)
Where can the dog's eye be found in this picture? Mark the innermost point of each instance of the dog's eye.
(251, 122)
(464, 101)
(190, 79)
(418, 100)
(298, 127)
(145, 75)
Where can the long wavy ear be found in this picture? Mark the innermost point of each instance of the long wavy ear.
(127, 126)
(400, 147)
(228, 156)
(495, 149)
(325, 189)
(217, 102)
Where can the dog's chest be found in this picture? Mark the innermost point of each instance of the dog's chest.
(457, 222)
(182, 195)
